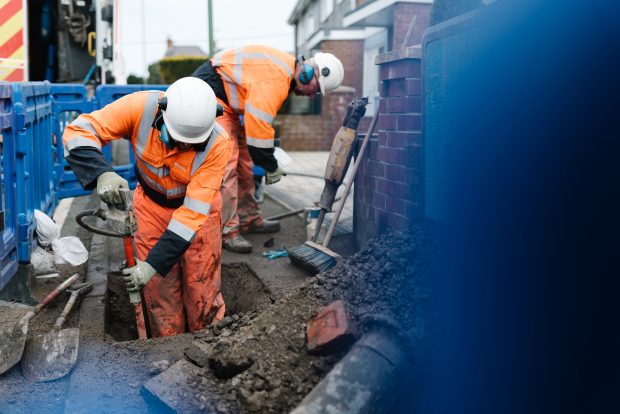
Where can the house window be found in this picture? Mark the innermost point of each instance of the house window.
(373, 46)
(327, 8)
(310, 21)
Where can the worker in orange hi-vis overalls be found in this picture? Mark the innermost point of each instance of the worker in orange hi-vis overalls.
(181, 154)
(253, 82)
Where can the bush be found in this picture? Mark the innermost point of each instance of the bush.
(154, 77)
(173, 68)
(134, 79)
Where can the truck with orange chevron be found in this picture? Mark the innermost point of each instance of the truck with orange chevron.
(60, 41)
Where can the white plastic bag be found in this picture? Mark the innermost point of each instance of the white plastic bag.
(69, 250)
(47, 230)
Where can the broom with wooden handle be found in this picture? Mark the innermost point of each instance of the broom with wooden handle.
(316, 257)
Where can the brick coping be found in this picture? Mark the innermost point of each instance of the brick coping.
(411, 52)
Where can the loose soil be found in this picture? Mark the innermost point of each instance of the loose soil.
(254, 360)
(379, 284)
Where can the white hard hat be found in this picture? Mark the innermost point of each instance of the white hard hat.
(331, 71)
(190, 110)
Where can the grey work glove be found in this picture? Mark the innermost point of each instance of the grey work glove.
(108, 184)
(274, 176)
(138, 276)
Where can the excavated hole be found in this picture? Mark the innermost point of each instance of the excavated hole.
(120, 320)
(242, 290)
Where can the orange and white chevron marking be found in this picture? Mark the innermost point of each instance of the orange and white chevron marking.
(12, 38)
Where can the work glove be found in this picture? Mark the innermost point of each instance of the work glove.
(108, 185)
(274, 176)
(138, 276)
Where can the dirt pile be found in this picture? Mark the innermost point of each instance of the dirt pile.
(259, 362)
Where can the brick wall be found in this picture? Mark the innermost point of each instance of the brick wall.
(388, 192)
(314, 132)
(301, 132)
(351, 54)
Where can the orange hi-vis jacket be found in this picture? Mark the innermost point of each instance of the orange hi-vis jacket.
(186, 180)
(257, 80)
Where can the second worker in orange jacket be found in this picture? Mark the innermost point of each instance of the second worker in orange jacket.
(253, 82)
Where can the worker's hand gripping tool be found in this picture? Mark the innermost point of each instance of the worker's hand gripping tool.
(123, 224)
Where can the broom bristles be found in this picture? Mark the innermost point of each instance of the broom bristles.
(313, 257)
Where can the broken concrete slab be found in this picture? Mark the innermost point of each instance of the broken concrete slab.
(226, 364)
(198, 353)
(331, 330)
(181, 389)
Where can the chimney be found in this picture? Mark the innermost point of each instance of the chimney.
(170, 43)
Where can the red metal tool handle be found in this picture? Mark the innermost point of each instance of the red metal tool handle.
(131, 260)
(55, 293)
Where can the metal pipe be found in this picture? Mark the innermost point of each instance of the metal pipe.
(211, 40)
(365, 381)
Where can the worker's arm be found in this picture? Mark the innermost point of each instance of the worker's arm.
(263, 101)
(187, 220)
(84, 138)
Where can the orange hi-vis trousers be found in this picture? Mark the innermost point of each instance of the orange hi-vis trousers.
(239, 208)
(190, 293)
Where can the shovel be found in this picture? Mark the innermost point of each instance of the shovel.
(12, 341)
(51, 356)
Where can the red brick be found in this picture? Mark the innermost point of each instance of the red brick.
(378, 200)
(395, 173)
(330, 330)
(395, 88)
(385, 186)
(414, 86)
(376, 169)
(382, 138)
(386, 122)
(391, 155)
(400, 69)
(403, 191)
(404, 104)
(409, 123)
(396, 139)
(395, 205)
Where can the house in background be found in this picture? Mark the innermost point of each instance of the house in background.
(357, 31)
(172, 50)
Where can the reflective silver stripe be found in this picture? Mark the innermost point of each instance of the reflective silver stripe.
(84, 124)
(181, 230)
(237, 68)
(197, 205)
(80, 141)
(274, 59)
(160, 172)
(148, 116)
(173, 192)
(233, 95)
(217, 59)
(259, 142)
(201, 156)
(262, 115)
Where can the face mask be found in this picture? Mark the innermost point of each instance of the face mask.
(165, 137)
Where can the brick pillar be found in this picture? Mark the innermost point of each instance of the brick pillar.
(388, 192)
(334, 109)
